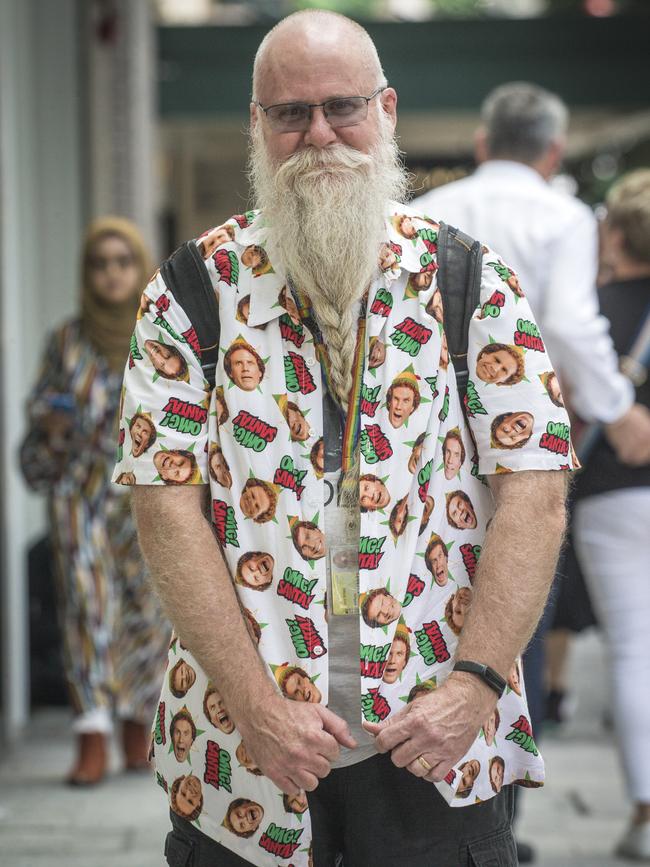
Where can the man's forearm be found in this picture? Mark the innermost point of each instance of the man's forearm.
(516, 568)
(191, 578)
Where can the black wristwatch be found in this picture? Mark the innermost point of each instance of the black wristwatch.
(489, 675)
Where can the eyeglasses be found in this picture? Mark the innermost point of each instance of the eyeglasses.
(340, 111)
(103, 263)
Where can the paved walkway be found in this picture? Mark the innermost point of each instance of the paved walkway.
(573, 820)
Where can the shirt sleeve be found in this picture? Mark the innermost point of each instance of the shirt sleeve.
(163, 430)
(514, 406)
(578, 336)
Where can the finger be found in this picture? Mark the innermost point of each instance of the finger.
(438, 772)
(288, 786)
(417, 769)
(372, 728)
(327, 746)
(392, 736)
(405, 753)
(336, 727)
(305, 780)
(317, 765)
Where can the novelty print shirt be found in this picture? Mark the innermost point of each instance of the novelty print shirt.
(257, 440)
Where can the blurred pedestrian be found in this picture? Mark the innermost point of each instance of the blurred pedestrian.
(612, 515)
(114, 636)
(550, 239)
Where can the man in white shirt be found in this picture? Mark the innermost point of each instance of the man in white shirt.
(551, 239)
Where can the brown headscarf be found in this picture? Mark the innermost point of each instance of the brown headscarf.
(108, 326)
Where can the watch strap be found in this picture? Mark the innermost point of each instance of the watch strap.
(491, 677)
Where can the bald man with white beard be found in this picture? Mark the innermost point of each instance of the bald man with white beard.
(381, 774)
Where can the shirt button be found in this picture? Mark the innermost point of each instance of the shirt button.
(311, 361)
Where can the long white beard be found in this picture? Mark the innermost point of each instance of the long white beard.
(327, 211)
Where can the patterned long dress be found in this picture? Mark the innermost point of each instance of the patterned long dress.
(114, 635)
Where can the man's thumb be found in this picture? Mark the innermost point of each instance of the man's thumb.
(336, 726)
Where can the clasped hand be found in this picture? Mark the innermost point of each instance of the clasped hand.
(440, 727)
(293, 743)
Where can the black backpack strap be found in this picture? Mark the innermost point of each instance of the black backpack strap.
(459, 281)
(188, 280)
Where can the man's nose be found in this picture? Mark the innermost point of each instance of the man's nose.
(319, 133)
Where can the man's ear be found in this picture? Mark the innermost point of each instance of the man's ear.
(480, 145)
(253, 115)
(389, 104)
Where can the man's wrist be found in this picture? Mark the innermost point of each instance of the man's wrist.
(477, 690)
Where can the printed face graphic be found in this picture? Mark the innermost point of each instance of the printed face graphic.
(252, 257)
(173, 466)
(188, 796)
(513, 679)
(383, 609)
(217, 713)
(319, 456)
(400, 405)
(165, 359)
(415, 457)
(215, 238)
(373, 494)
(286, 300)
(246, 373)
(244, 758)
(298, 424)
(297, 803)
(387, 257)
(553, 389)
(377, 354)
(126, 479)
(258, 570)
(460, 606)
(496, 366)
(310, 542)
(182, 739)
(396, 661)
(245, 818)
(406, 227)
(496, 774)
(516, 428)
(298, 687)
(490, 728)
(426, 513)
(244, 309)
(444, 352)
(434, 307)
(220, 408)
(422, 280)
(438, 565)
(141, 436)
(219, 468)
(460, 512)
(255, 501)
(399, 516)
(470, 771)
(452, 452)
(182, 677)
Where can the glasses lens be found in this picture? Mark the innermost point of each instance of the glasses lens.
(345, 112)
(289, 117)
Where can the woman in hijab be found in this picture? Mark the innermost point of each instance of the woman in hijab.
(114, 636)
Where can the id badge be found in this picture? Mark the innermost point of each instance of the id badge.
(344, 574)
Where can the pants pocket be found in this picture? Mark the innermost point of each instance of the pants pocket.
(178, 850)
(497, 850)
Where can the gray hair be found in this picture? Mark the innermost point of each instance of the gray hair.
(628, 209)
(316, 19)
(522, 121)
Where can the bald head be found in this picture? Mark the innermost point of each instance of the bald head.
(315, 38)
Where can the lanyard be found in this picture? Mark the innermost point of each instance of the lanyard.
(351, 419)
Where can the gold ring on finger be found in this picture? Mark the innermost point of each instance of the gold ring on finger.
(425, 764)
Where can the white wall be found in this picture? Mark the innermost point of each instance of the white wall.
(40, 227)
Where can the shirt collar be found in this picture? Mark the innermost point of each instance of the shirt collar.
(509, 169)
(410, 252)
